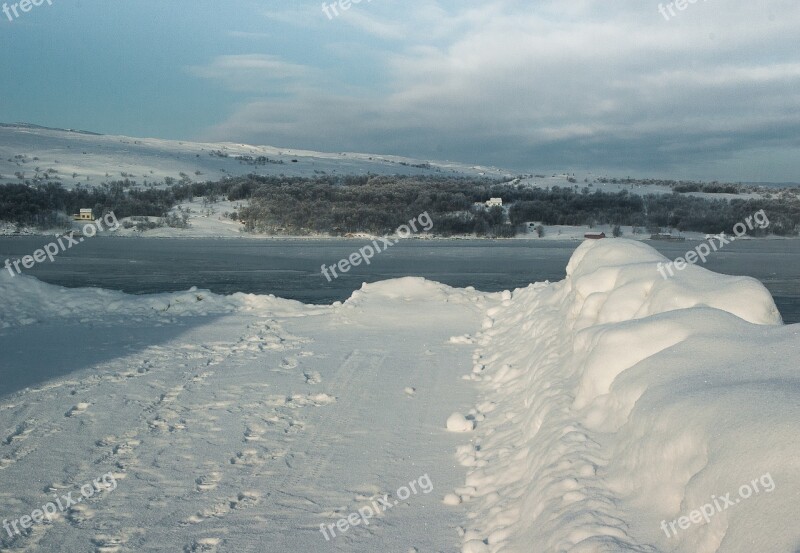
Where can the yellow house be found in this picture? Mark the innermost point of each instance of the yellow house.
(84, 215)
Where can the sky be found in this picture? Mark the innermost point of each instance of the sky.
(619, 87)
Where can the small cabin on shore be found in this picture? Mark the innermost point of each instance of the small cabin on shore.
(84, 215)
(594, 235)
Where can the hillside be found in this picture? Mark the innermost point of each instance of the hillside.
(74, 157)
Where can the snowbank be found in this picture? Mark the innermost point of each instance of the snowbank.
(620, 407)
(26, 300)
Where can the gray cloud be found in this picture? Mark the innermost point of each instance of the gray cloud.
(711, 93)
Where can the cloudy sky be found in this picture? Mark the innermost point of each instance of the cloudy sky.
(711, 92)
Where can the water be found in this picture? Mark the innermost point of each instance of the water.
(291, 268)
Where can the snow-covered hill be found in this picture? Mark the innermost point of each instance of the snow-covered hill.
(73, 156)
(79, 157)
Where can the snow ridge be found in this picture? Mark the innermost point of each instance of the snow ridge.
(615, 400)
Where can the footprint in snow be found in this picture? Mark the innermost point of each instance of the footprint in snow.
(313, 377)
(209, 481)
(254, 432)
(80, 514)
(106, 543)
(77, 410)
(243, 500)
(21, 432)
(203, 545)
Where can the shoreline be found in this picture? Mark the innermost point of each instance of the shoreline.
(322, 238)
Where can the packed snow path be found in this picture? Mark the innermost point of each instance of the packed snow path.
(246, 432)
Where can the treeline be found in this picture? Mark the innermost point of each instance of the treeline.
(48, 205)
(714, 187)
(339, 205)
(708, 188)
(653, 212)
(375, 204)
(379, 204)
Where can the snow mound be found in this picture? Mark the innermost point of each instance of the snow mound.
(410, 298)
(621, 408)
(459, 423)
(406, 289)
(619, 281)
(27, 301)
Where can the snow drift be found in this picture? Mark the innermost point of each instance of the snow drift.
(618, 402)
(27, 301)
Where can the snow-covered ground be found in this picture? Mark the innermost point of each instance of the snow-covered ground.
(579, 416)
(205, 220)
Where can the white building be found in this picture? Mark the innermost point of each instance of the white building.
(495, 202)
